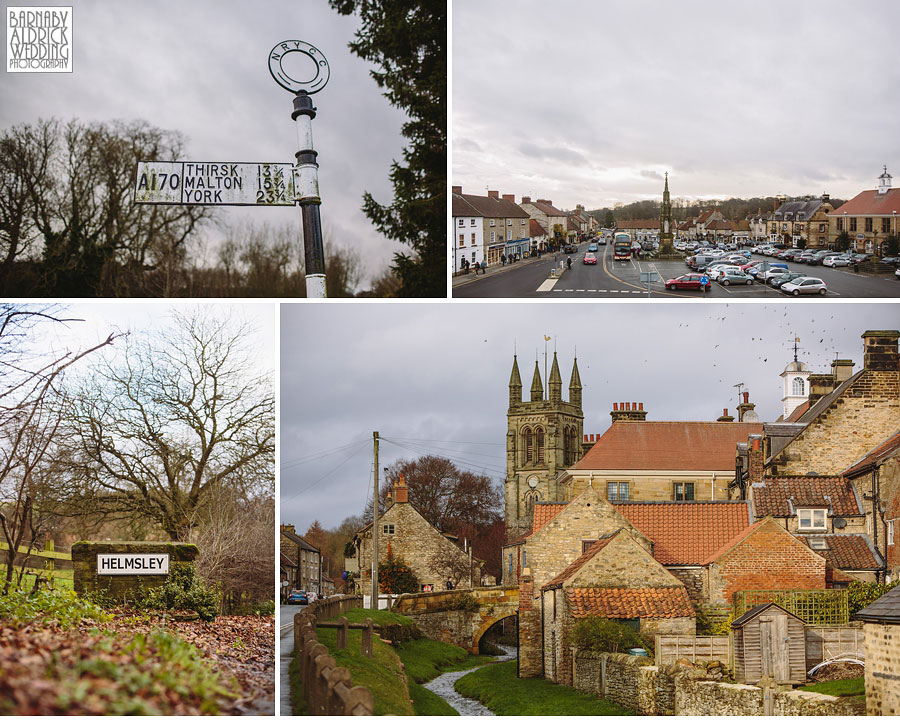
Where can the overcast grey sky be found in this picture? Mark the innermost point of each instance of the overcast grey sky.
(201, 68)
(591, 102)
(434, 377)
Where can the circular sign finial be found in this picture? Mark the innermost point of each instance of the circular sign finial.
(276, 58)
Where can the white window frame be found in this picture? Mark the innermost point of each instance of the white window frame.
(493, 222)
(461, 222)
(472, 222)
(387, 529)
(810, 515)
(890, 532)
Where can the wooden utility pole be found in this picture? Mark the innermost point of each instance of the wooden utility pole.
(375, 528)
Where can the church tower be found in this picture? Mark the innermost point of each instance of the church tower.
(666, 224)
(543, 438)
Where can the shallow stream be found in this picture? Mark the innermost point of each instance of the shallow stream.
(443, 685)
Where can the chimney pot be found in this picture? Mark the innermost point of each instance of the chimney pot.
(746, 396)
(457, 189)
(615, 406)
(586, 438)
(640, 406)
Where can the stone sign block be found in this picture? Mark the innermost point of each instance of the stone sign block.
(137, 565)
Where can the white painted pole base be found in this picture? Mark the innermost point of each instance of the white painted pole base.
(315, 286)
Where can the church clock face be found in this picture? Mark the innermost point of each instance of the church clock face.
(532, 482)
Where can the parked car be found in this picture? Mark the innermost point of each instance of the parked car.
(298, 597)
(754, 271)
(805, 286)
(836, 261)
(820, 256)
(717, 268)
(897, 273)
(771, 273)
(569, 249)
(691, 281)
(734, 276)
(778, 280)
(891, 260)
(589, 259)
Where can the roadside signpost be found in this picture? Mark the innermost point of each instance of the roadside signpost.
(649, 277)
(260, 184)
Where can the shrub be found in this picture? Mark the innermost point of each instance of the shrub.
(605, 635)
(184, 590)
(62, 605)
(860, 594)
(395, 576)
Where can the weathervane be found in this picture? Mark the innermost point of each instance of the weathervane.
(306, 171)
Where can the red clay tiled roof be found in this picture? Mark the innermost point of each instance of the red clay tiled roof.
(847, 552)
(580, 562)
(886, 449)
(544, 513)
(535, 229)
(668, 446)
(869, 202)
(666, 602)
(776, 495)
(674, 528)
(637, 224)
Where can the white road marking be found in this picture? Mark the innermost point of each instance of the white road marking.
(547, 285)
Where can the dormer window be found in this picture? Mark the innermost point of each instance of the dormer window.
(812, 518)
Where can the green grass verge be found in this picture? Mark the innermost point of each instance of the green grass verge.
(298, 703)
(358, 615)
(61, 578)
(381, 673)
(425, 659)
(426, 702)
(839, 688)
(497, 687)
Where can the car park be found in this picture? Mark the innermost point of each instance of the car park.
(734, 276)
(589, 259)
(691, 281)
(715, 269)
(804, 286)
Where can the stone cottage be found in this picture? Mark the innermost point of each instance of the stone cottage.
(615, 578)
(882, 644)
(431, 555)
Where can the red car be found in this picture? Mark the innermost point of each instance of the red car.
(691, 281)
(590, 259)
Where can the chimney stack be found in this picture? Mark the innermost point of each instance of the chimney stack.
(525, 199)
(880, 350)
(401, 492)
(288, 528)
(747, 407)
(511, 198)
(457, 189)
(628, 412)
(494, 194)
(755, 459)
(819, 386)
(842, 370)
(725, 416)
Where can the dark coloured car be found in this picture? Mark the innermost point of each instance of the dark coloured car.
(779, 280)
(569, 249)
(691, 281)
(298, 597)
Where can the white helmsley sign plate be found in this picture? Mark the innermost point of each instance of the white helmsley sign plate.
(133, 564)
(203, 183)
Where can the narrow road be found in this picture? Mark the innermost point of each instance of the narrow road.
(443, 685)
(286, 632)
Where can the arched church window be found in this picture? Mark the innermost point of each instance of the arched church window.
(539, 445)
(529, 445)
(531, 497)
(798, 387)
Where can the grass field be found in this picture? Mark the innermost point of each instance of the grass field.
(61, 578)
(497, 687)
(839, 688)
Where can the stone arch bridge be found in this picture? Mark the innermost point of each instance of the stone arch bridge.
(459, 617)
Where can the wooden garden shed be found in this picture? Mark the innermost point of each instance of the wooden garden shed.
(769, 641)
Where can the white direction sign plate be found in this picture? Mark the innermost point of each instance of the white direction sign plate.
(202, 183)
(133, 564)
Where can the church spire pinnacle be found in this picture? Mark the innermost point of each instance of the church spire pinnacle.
(554, 383)
(575, 385)
(537, 387)
(515, 384)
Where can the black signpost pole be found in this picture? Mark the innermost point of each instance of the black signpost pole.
(308, 191)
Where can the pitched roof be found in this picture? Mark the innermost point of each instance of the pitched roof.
(668, 446)
(888, 448)
(869, 202)
(664, 602)
(544, 512)
(478, 206)
(847, 552)
(287, 559)
(672, 527)
(797, 210)
(580, 562)
(535, 229)
(885, 609)
(297, 540)
(546, 208)
(719, 225)
(758, 610)
(637, 224)
(781, 496)
(798, 412)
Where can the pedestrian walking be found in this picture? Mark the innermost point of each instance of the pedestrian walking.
(568, 263)
(503, 259)
(449, 583)
(483, 267)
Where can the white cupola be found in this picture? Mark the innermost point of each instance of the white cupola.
(795, 384)
(884, 182)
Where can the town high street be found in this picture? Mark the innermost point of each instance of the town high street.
(611, 279)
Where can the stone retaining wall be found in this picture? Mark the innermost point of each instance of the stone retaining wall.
(680, 690)
(123, 587)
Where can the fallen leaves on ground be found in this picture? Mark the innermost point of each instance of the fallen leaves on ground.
(137, 664)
